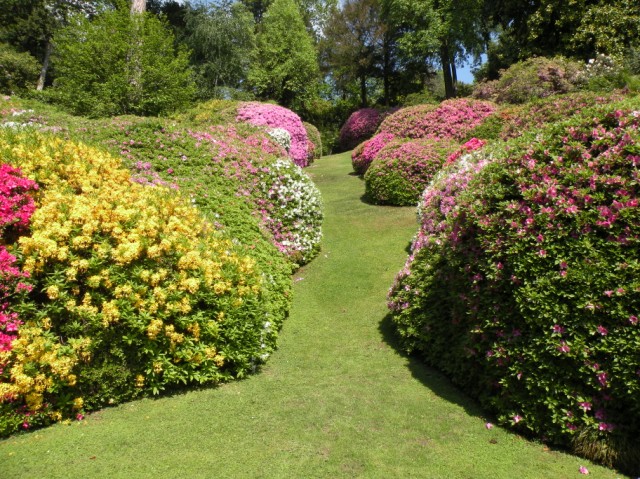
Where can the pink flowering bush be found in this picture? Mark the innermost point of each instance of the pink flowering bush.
(274, 116)
(522, 283)
(364, 153)
(16, 208)
(360, 126)
(451, 119)
(403, 168)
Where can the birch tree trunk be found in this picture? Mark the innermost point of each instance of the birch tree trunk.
(45, 66)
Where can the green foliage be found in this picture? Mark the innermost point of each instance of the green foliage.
(285, 66)
(313, 134)
(119, 64)
(222, 40)
(18, 71)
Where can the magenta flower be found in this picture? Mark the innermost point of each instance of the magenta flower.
(602, 330)
(583, 470)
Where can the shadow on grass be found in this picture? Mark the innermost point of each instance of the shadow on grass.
(430, 377)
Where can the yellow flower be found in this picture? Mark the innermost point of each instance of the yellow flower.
(78, 403)
(139, 381)
(53, 292)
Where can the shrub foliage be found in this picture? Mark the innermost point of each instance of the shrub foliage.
(522, 283)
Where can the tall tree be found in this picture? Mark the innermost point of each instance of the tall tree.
(353, 44)
(447, 30)
(222, 41)
(93, 63)
(577, 28)
(285, 66)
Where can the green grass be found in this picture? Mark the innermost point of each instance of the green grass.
(336, 400)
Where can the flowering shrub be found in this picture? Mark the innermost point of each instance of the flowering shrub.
(281, 137)
(226, 161)
(315, 142)
(133, 291)
(512, 120)
(364, 153)
(471, 145)
(16, 208)
(294, 211)
(450, 120)
(537, 77)
(522, 283)
(274, 116)
(360, 126)
(402, 169)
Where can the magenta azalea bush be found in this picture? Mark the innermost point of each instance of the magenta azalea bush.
(274, 116)
(451, 120)
(360, 126)
(402, 170)
(363, 155)
(16, 208)
(522, 284)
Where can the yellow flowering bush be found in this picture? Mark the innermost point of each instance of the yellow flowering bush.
(133, 291)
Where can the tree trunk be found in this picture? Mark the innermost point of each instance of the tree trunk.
(386, 69)
(445, 60)
(45, 65)
(363, 91)
(454, 76)
(138, 6)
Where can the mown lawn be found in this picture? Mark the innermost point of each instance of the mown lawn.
(336, 400)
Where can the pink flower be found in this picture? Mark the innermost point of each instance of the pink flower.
(602, 330)
(517, 418)
(585, 405)
(583, 470)
(633, 319)
(488, 425)
(79, 416)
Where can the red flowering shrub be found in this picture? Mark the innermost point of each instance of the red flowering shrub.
(274, 116)
(360, 126)
(364, 153)
(452, 119)
(402, 170)
(522, 284)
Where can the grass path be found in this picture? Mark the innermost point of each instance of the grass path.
(336, 400)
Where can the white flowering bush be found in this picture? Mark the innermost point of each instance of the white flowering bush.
(282, 137)
(294, 212)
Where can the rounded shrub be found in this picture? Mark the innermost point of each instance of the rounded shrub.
(522, 283)
(274, 116)
(450, 120)
(536, 77)
(131, 290)
(360, 126)
(365, 152)
(403, 168)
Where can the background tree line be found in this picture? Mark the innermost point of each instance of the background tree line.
(322, 58)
